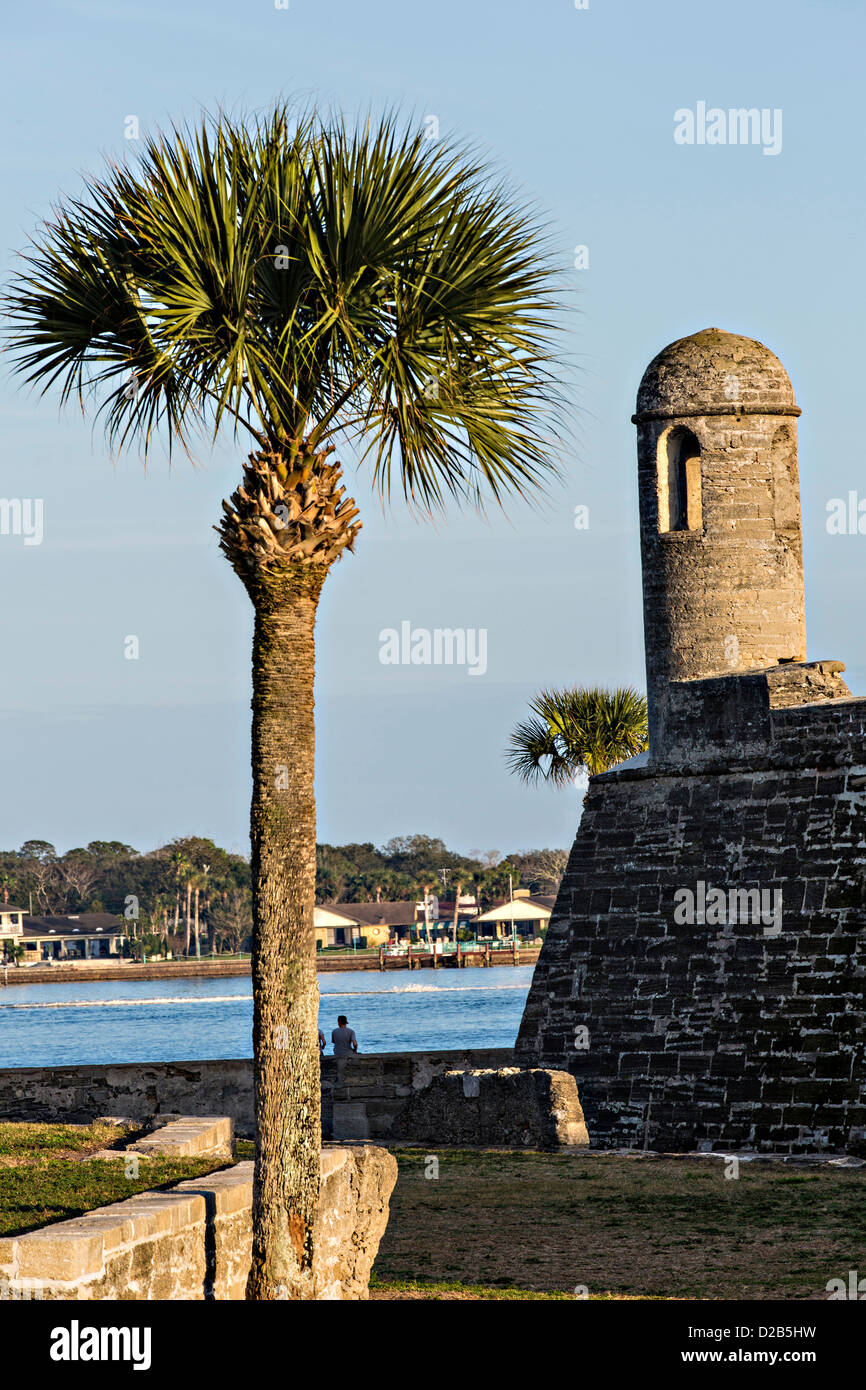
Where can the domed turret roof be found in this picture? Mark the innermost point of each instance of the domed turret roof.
(715, 373)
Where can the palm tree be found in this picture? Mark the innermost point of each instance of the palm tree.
(576, 731)
(181, 869)
(300, 283)
(201, 884)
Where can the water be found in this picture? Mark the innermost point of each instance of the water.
(66, 1025)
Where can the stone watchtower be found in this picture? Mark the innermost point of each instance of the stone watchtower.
(719, 492)
(704, 971)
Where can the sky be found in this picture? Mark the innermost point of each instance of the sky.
(576, 107)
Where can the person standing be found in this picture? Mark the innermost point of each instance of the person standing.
(343, 1038)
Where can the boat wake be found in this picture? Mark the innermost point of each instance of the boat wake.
(166, 1001)
(132, 1003)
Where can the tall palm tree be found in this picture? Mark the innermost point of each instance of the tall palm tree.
(181, 869)
(299, 282)
(576, 731)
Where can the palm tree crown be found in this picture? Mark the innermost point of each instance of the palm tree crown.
(299, 280)
(576, 730)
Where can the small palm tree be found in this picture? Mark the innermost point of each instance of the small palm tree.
(300, 284)
(578, 731)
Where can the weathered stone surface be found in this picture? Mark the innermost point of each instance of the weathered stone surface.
(142, 1091)
(184, 1137)
(723, 593)
(729, 1028)
(375, 1086)
(506, 1106)
(194, 1241)
(189, 1137)
(353, 1212)
(705, 1034)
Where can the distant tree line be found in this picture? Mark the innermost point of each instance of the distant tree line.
(410, 865)
(190, 895)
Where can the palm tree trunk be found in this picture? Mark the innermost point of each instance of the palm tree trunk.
(188, 914)
(197, 947)
(285, 988)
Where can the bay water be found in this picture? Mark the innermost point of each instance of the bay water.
(74, 1024)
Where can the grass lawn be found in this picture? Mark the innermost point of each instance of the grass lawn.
(525, 1225)
(621, 1227)
(44, 1178)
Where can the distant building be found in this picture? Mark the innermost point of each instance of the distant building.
(370, 924)
(86, 936)
(384, 923)
(523, 915)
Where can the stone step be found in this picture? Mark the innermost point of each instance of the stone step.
(189, 1136)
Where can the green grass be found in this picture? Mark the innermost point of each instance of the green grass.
(518, 1222)
(43, 1178)
(60, 1189)
(398, 1288)
(22, 1141)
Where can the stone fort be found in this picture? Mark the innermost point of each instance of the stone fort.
(703, 973)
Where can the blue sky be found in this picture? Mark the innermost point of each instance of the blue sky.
(577, 107)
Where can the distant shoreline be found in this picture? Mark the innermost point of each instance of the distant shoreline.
(196, 969)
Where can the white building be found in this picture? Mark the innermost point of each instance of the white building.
(87, 936)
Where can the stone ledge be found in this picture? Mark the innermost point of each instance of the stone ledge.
(194, 1241)
(189, 1137)
(186, 1136)
(230, 1190)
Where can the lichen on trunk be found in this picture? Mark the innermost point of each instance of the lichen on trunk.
(283, 529)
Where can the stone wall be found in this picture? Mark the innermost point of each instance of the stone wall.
(139, 1090)
(371, 1097)
(393, 1098)
(362, 1096)
(193, 1242)
(720, 1033)
(502, 1107)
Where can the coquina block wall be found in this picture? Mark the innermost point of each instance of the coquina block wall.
(194, 1240)
(703, 973)
(717, 1034)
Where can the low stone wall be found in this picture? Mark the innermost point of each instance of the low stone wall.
(194, 1242)
(370, 1096)
(363, 1096)
(138, 1090)
(389, 1097)
(185, 1137)
(505, 1107)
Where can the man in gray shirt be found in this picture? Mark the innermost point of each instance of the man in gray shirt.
(343, 1038)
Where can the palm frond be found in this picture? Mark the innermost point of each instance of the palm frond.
(578, 730)
(294, 279)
